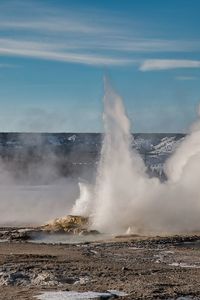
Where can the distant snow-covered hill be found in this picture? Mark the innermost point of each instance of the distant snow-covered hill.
(74, 151)
(166, 145)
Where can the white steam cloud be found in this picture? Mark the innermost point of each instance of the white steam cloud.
(33, 192)
(125, 197)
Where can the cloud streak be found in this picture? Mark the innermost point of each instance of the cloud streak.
(5, 66)
(48, 52)
(186, 78)
(40, 31)
(167, 64)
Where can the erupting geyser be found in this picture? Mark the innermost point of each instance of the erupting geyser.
(125, 197)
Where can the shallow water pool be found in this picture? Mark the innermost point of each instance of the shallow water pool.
(72, 295)
(57, 238)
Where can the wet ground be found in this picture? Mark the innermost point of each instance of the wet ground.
(141, 267)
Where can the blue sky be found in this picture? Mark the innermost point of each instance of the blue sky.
(54, 53)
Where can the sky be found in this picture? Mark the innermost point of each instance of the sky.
(54, 54)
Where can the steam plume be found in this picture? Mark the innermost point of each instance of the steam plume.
(125, 197)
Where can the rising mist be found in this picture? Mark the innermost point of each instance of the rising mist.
(125, 198)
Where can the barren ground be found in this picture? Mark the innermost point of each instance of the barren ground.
(145, 268)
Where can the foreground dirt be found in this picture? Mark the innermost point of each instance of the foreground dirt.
(144, 268)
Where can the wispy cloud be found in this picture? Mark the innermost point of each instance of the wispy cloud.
(126, 43)
(86, 37)
(48, 52)
(166, 64)
(186, 78)
(51, 25)
(5, 66)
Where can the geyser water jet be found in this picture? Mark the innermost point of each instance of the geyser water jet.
(125, 197)
(115, 172)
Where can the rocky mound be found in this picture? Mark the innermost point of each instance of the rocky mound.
(69, 224)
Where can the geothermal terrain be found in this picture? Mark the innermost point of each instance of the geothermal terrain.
(129, 267)
(112, 216)
(59, 265)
